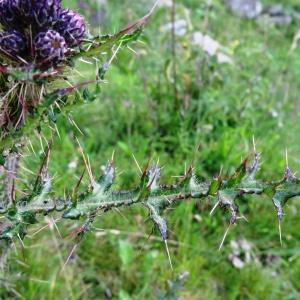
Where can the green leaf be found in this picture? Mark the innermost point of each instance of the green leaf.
(123, 295)
(126, 253)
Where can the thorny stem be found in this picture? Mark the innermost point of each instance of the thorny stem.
(155, 197)
(100, 198)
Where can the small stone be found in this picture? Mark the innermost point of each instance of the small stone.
(249, 9)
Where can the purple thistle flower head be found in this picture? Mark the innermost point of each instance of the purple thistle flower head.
(72, 26)
(8, 16)
(39, 31)
(39, 13)
(12, 42)
(49, 47)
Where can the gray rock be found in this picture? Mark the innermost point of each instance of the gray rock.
(278, 15)
(249, 9)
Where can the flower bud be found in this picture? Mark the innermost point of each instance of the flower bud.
(8, 13)
(39, 13)
(49, 47)
(12, 42)
(71, 26)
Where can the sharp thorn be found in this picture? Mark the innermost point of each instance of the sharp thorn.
(254, 144)
(69, 257)
(221, 171)
(243, 218)
(113, 156)
(286, 158)
(224, 237)
(168, 253)
(23, 246)
(54, 223)
(280, 233)
(92, 181)
(136, 162)
(214, 208)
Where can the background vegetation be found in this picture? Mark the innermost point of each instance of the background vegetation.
(218, 108)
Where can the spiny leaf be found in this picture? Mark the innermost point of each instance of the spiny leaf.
(155, 207)
(153, 178)
(106, 180)
(100, 44)
(227, 198)
(238, 176)
(288, 188)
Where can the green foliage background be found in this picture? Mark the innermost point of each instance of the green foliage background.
(221, 107)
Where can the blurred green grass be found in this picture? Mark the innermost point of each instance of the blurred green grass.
(222, 107)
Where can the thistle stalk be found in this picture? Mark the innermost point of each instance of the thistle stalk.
(100, 197)
(39, 51)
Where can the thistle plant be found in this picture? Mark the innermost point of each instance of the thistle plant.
(40, 42)
(37, 36)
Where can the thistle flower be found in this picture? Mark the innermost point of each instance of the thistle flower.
(49, 47)
(42, 28)
(72, 26)
(8, 13)
(12, 42)
(39, 14)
